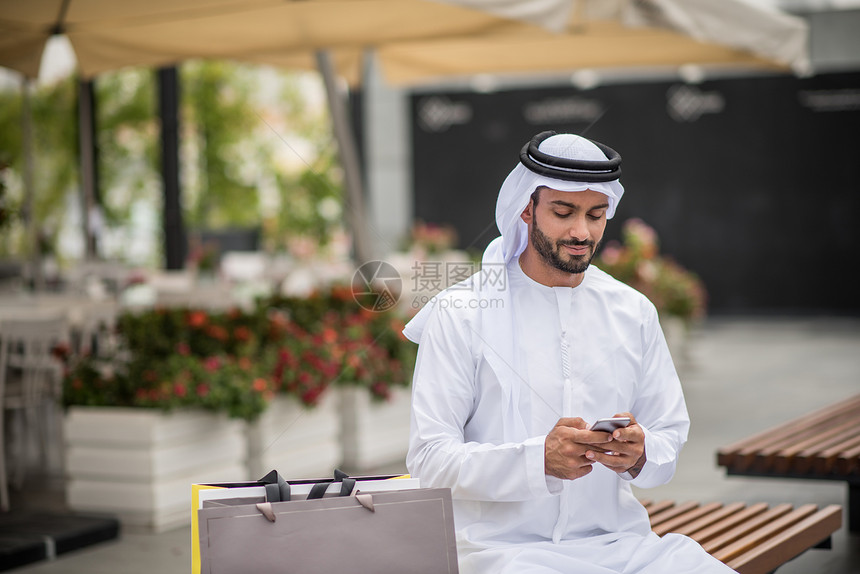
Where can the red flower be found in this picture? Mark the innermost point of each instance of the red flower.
(197, 319)
(353, 361)
(259, 385)
(211, 364)
(381, 390)
(180, 390)
(183, 348)
(312, 395)
(330, 369)
(217, 332)
(329, 335)
(202, 390)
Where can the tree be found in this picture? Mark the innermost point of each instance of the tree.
(218, 122)
(53, 111)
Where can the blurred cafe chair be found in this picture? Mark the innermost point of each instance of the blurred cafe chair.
(30, 377)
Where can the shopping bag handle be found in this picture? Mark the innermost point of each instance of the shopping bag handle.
(347, 484)
(277, 488)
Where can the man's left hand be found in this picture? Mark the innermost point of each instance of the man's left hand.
(626, 451)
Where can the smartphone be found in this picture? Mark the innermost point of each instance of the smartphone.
(610, 424)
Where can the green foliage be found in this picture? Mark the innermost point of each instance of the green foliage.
(235, 361)
(311, 199)
(54, 143)
(369, 346)
(312, 202)
(7, 213)
(218, 115)
(222, 383)
(127, 137)
(236, 387)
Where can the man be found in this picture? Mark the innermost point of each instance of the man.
(513, 365)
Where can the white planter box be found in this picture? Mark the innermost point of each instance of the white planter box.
(373, 433)
(296, 441)
(139, 464)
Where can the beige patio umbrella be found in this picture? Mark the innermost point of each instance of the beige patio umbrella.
(414, 40)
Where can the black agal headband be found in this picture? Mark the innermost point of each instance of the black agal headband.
(589, 171)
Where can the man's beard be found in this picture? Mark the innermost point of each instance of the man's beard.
(569, 263)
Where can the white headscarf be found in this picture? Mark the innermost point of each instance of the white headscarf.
(514, 196)
(521, 183)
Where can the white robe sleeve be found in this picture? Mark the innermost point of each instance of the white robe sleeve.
(659, 408)
(443, 395)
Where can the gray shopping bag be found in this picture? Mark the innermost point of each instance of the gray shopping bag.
(395, 532)
(274, 488)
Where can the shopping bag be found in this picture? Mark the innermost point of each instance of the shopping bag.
(388, 532)
(274, 488)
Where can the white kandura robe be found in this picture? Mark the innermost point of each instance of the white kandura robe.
(589, 351)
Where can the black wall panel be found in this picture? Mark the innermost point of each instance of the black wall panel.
(753, 183)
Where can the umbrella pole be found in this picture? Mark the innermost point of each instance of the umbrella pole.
(32, 231)
(174, 228)
(356, 212)
(87, 146)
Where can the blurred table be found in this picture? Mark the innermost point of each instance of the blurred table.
(73, 308)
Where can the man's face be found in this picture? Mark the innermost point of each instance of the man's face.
(566, 227)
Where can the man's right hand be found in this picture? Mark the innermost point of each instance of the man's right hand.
(566, 445)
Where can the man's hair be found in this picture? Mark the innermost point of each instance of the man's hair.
(536, 195)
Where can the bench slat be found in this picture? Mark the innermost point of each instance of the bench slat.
(671, 513)
(745, 528)
(790, 543)
(763, 456)
(828, 459)
(805, 460)
(824, 440)
(672, 525)
(711, 519)
(658, 507)
(849, 462)
(717, 529)
(732, 456)
(765, 532)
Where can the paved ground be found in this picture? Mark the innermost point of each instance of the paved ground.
(740, 376)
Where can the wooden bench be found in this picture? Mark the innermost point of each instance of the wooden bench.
(751, 539)
(824, 445)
